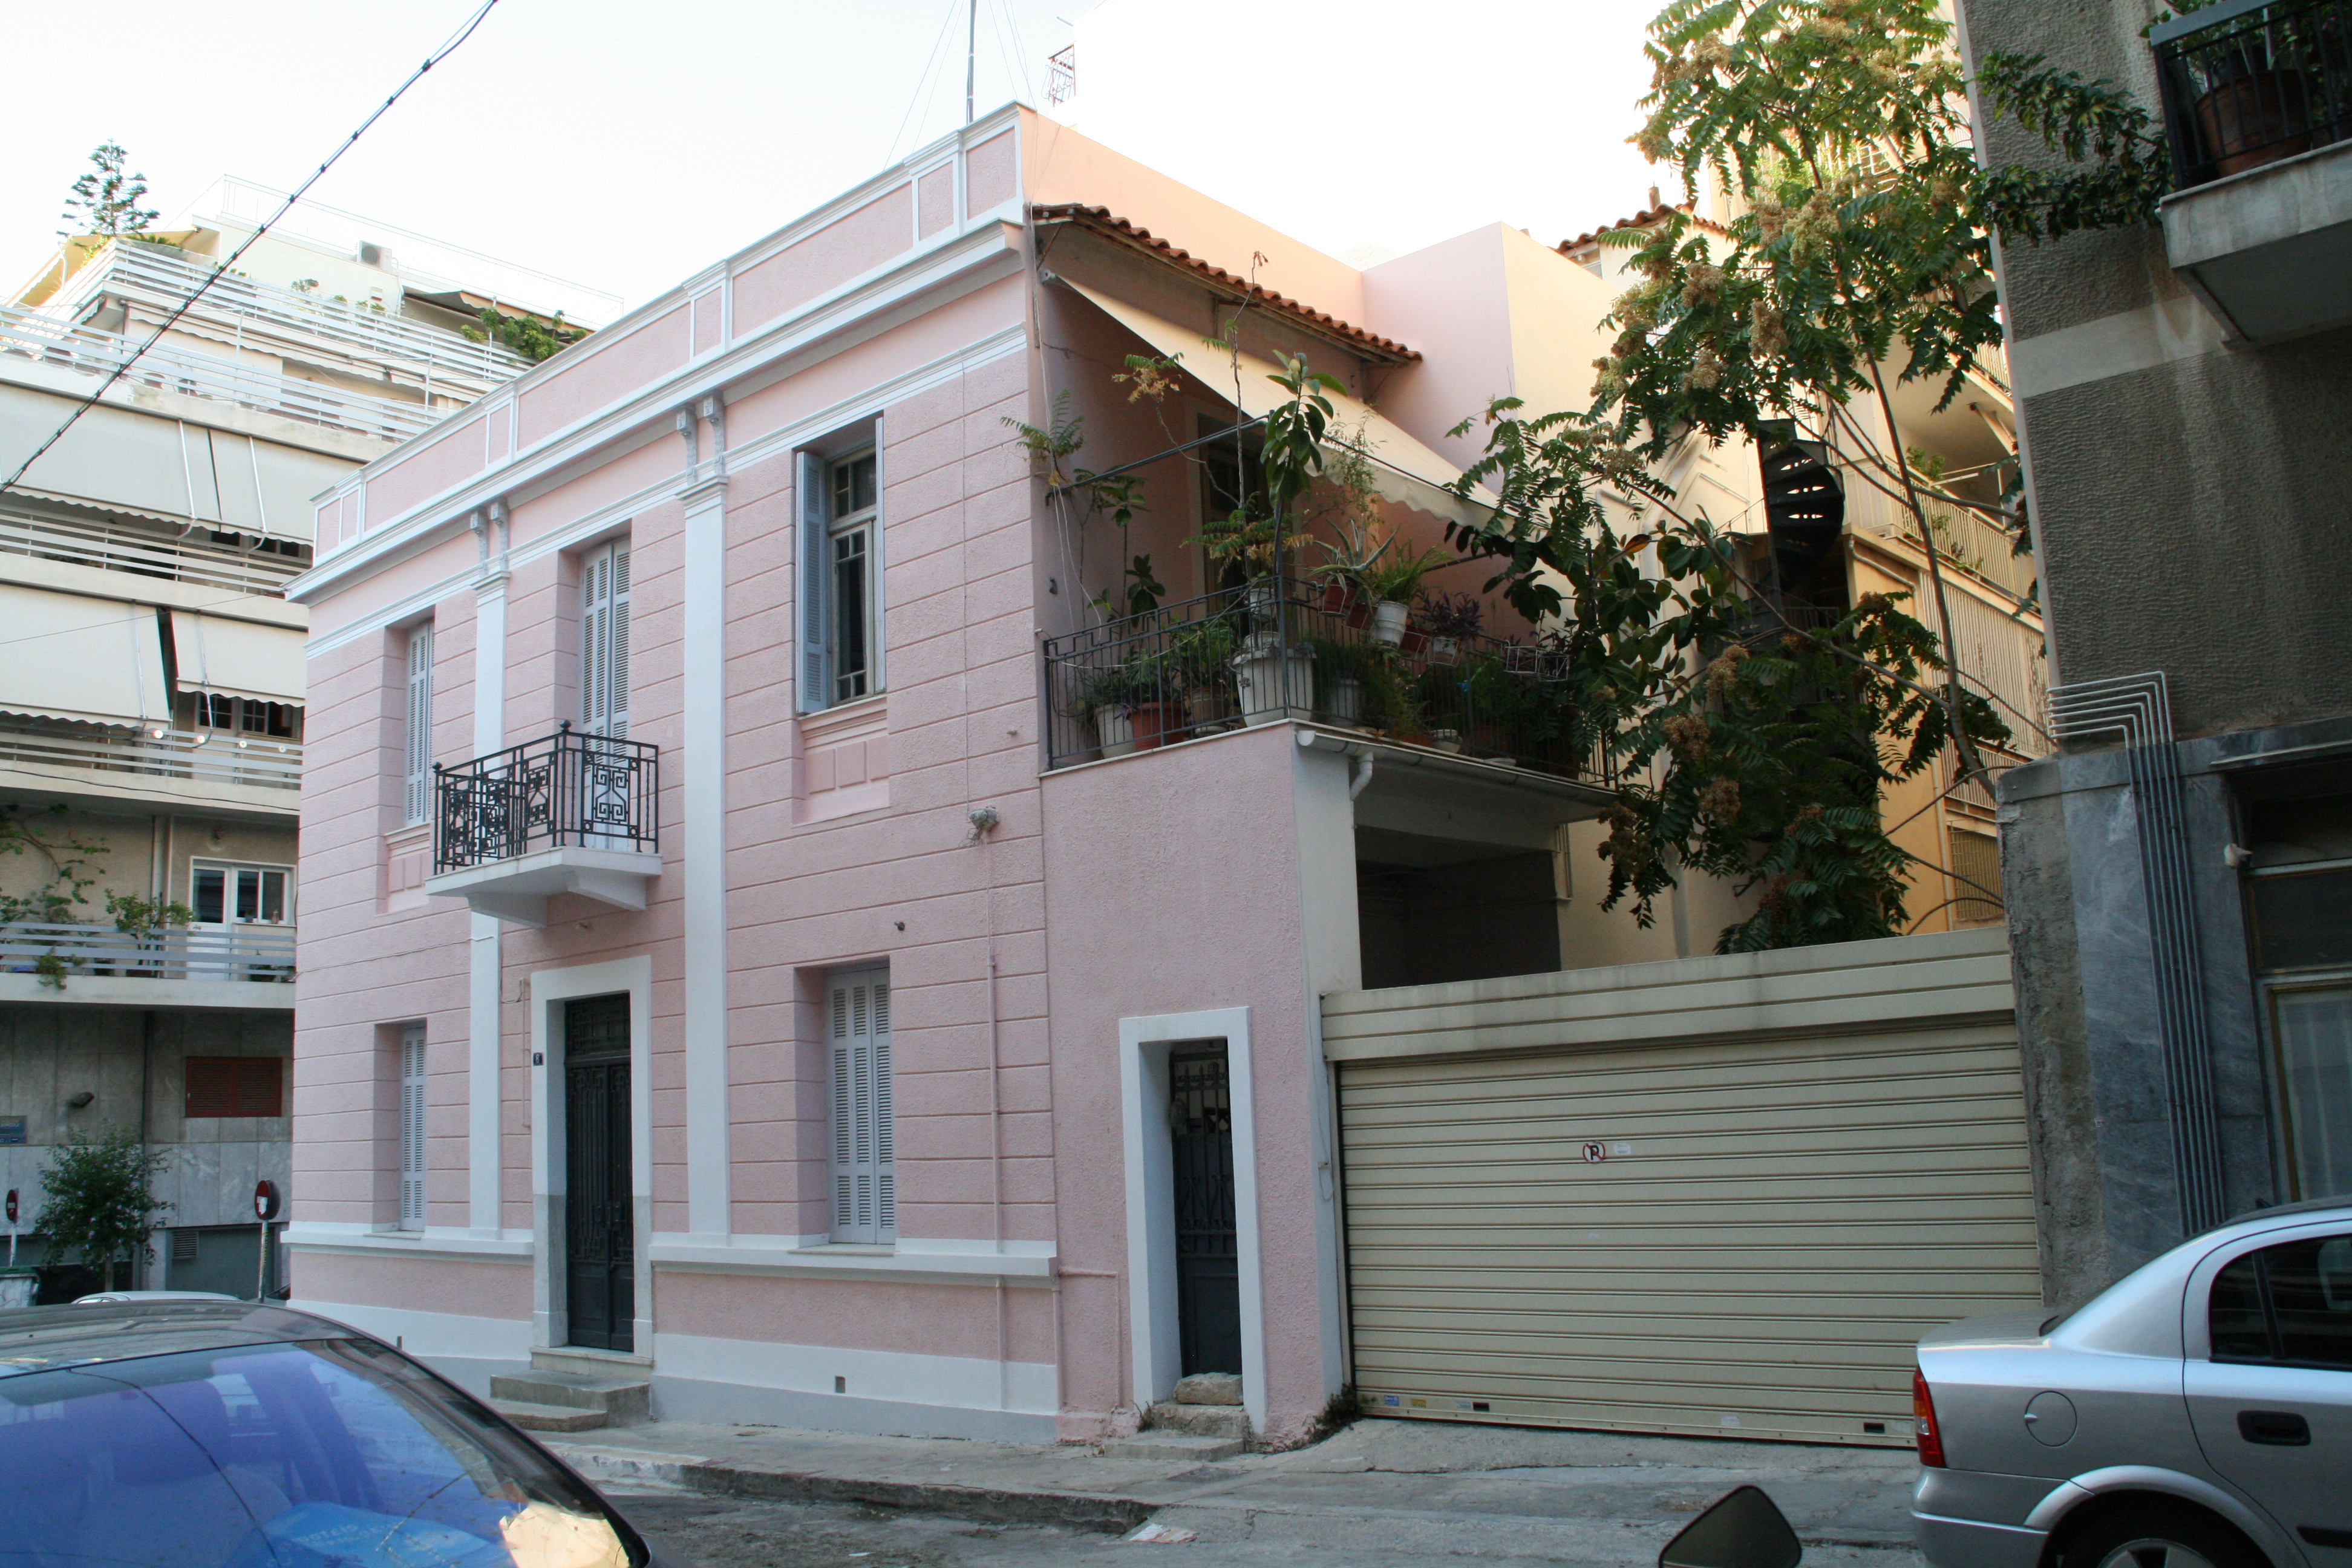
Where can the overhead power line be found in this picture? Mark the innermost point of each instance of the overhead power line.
(435, 57)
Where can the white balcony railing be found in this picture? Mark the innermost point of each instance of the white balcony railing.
(355, 332)
(217, 756)
(65, 952)
(122, 547)
(94, 353)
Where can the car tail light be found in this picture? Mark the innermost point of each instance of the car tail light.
(1923, 1411)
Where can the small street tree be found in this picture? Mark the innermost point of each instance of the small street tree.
(105, 201)
(101, 1203)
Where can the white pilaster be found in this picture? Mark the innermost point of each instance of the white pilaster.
(704, 776)
(482, 989)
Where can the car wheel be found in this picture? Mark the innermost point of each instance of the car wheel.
(2160, 1537)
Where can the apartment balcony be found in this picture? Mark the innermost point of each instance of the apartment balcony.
(570, 813)
(86, 353)
(1289, 650)
(242, 966)
(192, 768)
(2258, 109)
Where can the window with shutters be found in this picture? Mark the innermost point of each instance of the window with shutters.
(417, 799)
(412, 1128)
(235, 1086)
(864, 1163)
(1976, 878)
(840, 579)
(604, 641)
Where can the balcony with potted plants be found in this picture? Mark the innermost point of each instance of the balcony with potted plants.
(2258, 114)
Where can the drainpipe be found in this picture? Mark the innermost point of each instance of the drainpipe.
(1360, 774)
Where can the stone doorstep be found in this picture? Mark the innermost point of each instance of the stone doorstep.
(1171, 1446)
(535, 1417)
(588, 1363)
(612, 1397)
(1209, 1388)
(1221, 1421)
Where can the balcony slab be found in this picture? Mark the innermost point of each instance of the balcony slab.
(2269, 250)
(516, 890)
(119, 991)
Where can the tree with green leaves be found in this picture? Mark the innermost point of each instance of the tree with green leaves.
(1853, 263)
(101, 1201)
(533, 339)
(105, 200)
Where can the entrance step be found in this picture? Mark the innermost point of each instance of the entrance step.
(593, 1362)
(617, 1400)
(1220, 1421)
(533, 1418)
(1171, 1446)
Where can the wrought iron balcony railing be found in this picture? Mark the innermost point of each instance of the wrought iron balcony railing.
(1286, 648)
(2248, 82)
(568, 790)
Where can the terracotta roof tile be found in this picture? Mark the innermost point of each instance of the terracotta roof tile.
(1101, 220)
(1658, 213)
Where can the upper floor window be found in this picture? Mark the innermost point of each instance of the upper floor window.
(605, 640)
(416, 736)
(840, 580)
(225, 894)
(243, 715)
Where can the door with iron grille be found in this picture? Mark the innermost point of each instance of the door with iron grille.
(1208, 1266)
(599, 1240)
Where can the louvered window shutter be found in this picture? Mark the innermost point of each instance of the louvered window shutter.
(604, 642)
(865, 1159)
(417, 759)
(412, 1129)
(879, 643)
(809, 595)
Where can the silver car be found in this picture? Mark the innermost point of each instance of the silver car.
(2197, 1414)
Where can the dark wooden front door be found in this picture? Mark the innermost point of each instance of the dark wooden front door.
(599, 1239)
(1208, 1266)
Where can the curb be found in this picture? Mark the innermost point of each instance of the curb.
(994, 1505)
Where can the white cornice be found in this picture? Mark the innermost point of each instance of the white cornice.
(613, 513)
(973, 256)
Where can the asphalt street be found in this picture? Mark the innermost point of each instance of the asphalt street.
(725, 1532)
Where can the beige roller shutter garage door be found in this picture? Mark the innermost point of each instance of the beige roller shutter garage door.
(1769, 1227)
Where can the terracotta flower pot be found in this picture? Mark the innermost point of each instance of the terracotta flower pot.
(1156, 724)
(2259, 118)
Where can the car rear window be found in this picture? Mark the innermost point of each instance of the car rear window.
(2290, 1303)
(280, 1456)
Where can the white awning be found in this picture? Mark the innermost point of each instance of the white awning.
(1403, 470)
(239, 657)
(62, 656)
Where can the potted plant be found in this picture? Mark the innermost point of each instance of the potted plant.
(1339, 669)
(1200, 656)
(1391, 584)
(1450, 620)
(1129, 702)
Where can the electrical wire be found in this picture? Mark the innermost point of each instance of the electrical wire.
(184, 306)
(923, 80)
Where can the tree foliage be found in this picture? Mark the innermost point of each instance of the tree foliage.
(533, 339)
(105, 200)
(101, 1201)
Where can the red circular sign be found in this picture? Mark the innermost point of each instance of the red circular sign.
(12, 1205)
(265, 1200)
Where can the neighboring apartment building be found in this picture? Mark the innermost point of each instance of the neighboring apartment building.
(2177, 875)
(153, 677)
(861, 982)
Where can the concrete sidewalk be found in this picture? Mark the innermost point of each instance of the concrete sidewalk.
(1421, 1488)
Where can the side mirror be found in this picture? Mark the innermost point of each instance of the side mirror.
(1743, 1530)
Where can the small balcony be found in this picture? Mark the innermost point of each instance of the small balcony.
(2258, 111)
(68, 961)
(201, 767)
(1287, 648)
(570, 813)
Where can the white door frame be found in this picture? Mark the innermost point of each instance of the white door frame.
(549, 989)
(1144, 1045)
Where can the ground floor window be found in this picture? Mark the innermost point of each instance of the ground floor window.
(858, 1090)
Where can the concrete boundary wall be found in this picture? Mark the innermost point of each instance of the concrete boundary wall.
(1906, 981)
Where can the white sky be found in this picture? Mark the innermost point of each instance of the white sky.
(625, 146)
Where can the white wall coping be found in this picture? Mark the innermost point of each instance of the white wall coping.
(117, 991)
(948, 1260)
(440, 1242)
(1906, 981)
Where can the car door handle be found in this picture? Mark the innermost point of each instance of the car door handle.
(2279, 1428)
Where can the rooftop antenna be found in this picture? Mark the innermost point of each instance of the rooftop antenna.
(970, 52)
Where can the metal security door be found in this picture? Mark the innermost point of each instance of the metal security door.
(600, 1252)
(1208, 1264)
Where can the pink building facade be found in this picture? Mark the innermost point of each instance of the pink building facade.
(739, 950)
